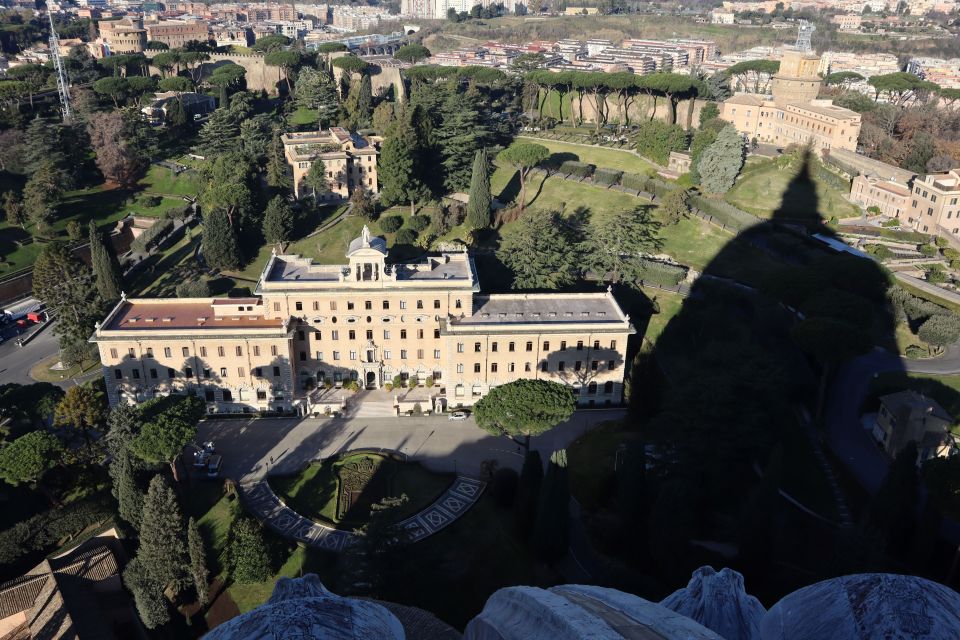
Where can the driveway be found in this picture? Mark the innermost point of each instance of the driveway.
(252, 449)
(15, 362)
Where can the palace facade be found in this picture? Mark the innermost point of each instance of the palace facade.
(370, 321)
(349, 159)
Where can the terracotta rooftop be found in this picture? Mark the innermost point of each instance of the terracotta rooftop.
(135, 315)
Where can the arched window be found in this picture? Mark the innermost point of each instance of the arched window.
(592, 388)
(608, 387)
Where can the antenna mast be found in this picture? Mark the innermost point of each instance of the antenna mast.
(804, 35)
(63, 85)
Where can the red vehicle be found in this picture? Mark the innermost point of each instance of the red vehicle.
(36, 316)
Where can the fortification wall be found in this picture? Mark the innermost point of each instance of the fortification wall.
(260, 76)
(643, 108)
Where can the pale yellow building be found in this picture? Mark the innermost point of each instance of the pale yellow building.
(792, 114)
(123, 36)
(890, 197)
(369, 321)
(935, 203)
(350, 161)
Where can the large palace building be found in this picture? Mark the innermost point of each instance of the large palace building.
(368, 321)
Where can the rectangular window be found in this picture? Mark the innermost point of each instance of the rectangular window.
(543, 366)
(256, 351)
(223, 372)
(368, 304)
(113, 353)
(118, 374)
(436, 304)
(261, 394)
(613, 344)
(220, 351)
(419, 354)
(186, 352)
(459, 369)
(386, 305)
(493, 347)
(403, 334)
(386, 355)
(336, 355)
(187, 372)
(316, 305)
(511, 347)
(240, 372)
(349, 306)
(319, 355)
(353, 355)
(493, 367)
(419, 304)
(351, 334)
(561, 365)
(596, 344)
(529, 346)
(611, 365)
(476, 368)
(303, 356)
(386, 334)
(456, 304)
(459, 347)
(476, 347)
(369, 334)
(403, 354)
(511, 368)
(276, 372)
(276, 306)
(298, 306)
(203, 352)
(593, 365)
(563, 345)
(166, 352)
(239, 351)
(335, 334)
(577, 365)
(171, 373)
(436, 354)
(149, 352)
(333, 305)
(419, 334)
(546, 346)
(273, 349)
(403, 304)
(436, 333)
(579, 345)
(526, 367)
(208, 395)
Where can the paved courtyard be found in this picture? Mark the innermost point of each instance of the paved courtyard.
(252, 449)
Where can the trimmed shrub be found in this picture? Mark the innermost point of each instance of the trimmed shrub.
(152, 236)
(635, 181)
(658, 187)
(820, 172)
(723, 212)
(46, 530)
(391, 224)
(151, 201)
(928, 250)
(418, 223)
(406, 236)
(892, 222)
(577, 169)
(662, 273)
(881, 252)
(607, 177)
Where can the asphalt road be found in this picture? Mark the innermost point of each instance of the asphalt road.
(254, 448)
(15, 362)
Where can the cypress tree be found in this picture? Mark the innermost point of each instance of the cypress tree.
(277, 220)
(720, 164)
(162, 549)
(551, 530)
(224, 102)
(478, 209)
(147, 595)
(528, 491)
(176, 114)
(277, 175)
(220, 247)
(248, 560)
(198, 562)
(364, 102)
(105, 266)
(126, 489)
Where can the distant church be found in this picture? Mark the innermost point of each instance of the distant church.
(793, 114)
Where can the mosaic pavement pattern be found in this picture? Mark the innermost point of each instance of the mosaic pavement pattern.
(260, 499)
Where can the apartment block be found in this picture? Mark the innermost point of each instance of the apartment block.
(350, 161)
(367, 321)
(890, 197)
(176, 34)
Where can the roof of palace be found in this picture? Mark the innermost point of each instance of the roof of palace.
(174, 313)
(545, 308)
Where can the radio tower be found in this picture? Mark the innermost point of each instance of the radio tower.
(63, 86)
(804, 34)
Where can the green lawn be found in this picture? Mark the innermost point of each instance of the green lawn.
(597, 156)
(760, 192)
(162, 180)
(303, 116)
(313, 492)
(670, 305)
(13, 256)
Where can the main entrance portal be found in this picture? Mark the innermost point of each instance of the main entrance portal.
(371, 380)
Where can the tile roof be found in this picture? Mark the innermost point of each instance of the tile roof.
(159, 315)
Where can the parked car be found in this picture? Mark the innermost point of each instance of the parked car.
(202, 455)
(213, 465)
(458, 415)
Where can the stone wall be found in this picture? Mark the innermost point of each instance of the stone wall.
(259, 74)
(688, 111)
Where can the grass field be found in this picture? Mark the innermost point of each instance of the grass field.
(42, 371)
(597, 156)
(670, 305)
(761, 190)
